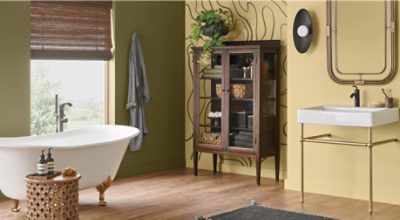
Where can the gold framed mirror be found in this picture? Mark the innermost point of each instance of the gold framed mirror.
(361, 43)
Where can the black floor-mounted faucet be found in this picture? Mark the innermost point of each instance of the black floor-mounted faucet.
(356, 95)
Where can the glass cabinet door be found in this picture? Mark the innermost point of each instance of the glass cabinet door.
(269, 106)
(210, 102)
(241, 100)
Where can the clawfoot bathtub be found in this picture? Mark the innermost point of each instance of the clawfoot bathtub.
(95, 152)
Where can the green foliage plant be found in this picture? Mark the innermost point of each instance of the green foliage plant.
(42, 101)
(217, 22)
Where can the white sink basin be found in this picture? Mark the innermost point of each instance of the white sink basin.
(347, 116)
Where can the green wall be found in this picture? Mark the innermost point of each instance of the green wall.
(160, 27)
(14, 69)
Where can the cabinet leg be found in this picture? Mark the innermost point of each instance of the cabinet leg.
(215, 160)
(195, 162)
(258, 171)
(277, 163)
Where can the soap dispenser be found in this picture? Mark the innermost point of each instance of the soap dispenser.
(41, 166)
(50, 162)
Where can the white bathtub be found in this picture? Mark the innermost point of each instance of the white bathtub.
(95, 152)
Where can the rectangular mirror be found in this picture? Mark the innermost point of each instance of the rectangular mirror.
(360, 41)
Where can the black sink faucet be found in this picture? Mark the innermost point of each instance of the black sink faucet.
(356, 95)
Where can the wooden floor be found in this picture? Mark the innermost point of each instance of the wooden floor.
(180, 195)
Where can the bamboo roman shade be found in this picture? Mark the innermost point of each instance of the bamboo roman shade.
(71, 30)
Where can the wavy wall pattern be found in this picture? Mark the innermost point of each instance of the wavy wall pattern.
(252, 20)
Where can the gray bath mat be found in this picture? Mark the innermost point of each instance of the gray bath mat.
(256, 212)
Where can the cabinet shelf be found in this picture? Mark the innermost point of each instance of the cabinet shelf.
(210, 97)
(209, 126)
(210, 78)
(242, 80)
(239, 147)
(233, 99)
(231, 128)
(243, 100)
(250, 99)
(241, 129)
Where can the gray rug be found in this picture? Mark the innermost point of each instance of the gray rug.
(256, 212)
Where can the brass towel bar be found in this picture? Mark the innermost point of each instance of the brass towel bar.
(314, 139)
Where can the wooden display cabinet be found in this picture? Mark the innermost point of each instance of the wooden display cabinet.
(236, 102)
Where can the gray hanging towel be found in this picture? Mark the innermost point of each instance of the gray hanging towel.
(138, 92)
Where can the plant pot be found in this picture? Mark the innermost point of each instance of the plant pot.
(208, 30)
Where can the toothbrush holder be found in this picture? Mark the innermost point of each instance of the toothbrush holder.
(389, 102)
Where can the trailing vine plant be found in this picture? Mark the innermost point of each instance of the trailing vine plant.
(210, 26)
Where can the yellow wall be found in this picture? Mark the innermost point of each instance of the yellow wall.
(14, 69)
(253, 20)
(335, 170)
(160, 29)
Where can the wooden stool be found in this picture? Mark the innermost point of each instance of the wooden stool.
(53, 198)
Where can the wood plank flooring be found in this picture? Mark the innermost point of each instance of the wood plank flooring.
(179, 195)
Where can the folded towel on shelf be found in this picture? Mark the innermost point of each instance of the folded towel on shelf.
(248, 133)
(212, 75)
(242, 144)
(239, 137)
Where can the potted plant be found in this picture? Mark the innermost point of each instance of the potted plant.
(210, 26)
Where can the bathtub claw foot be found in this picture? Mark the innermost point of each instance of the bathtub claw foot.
(15, 207)
(102, 203)
(102, 188)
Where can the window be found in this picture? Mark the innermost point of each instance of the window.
(82, 83)
(70, 45)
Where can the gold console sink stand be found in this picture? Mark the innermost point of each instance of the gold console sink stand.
(318, 139)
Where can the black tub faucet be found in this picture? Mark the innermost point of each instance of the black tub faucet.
(356, 95)
(62, 119)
